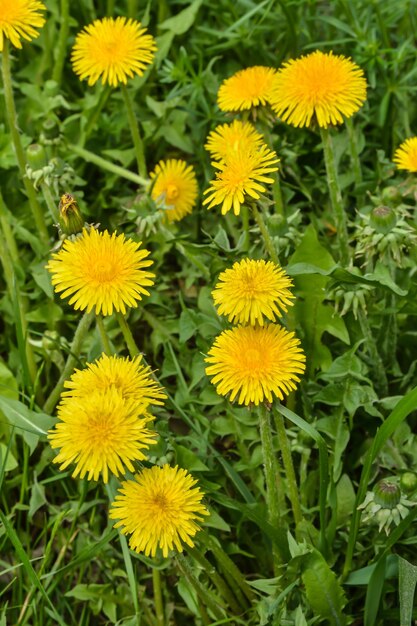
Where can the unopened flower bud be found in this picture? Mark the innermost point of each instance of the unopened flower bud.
(408, 482)
(383, 219)
(391, 195)
(387, 494)
(50, 128)
(36, 156)
(70, 218)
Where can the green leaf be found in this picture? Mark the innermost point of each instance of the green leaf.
(37, 498)
(30, 425)
(189, 460)
(324, 593)
(374, 592)
(407, 588)
(7, 461)
(180, 23)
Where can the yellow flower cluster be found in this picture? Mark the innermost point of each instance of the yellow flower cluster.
(254, 362)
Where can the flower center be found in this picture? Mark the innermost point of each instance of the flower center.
(172, 192)
(253, 360)
(160, 501)
(103, 272)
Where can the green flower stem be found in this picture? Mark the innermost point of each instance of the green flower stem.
(335, 195)
(378, 369)
(227, 565)
(20, 155)
(104, 338)
(271, 470)
(134, 129)
(62, 42)
(289, 468)
(157, 594)
(354, 155)
(94, 115)
(132, 8)
(220, 584)
(76, 346)
(202, 592)
(269, 244)
(245, 225)
(127, 334)
(8, 233)
(50, 203)
(276, 185)
(107, 165)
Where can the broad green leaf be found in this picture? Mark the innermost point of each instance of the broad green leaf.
(29, 424)
(374, 592)
(188, 459)
(407, 588)
(324, 593)
(180, 23)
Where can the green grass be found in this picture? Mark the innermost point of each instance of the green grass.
(352, 420)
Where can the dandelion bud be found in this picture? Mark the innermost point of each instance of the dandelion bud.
(70, 219)
(383, 219)
(391, 195)
(50, 128)
(387, 494)
(51, 88)
(408, 482)
(36, 157)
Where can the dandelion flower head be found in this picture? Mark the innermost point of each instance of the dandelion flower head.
(318, 87)
(251, 291)
(101, 271)
(241, 175)
(235, 137)
(19, 19)
(113, 50)
(246, 89)
(129, 377)
(405, 156)
(100, 432)
(161, 508)
(175, 187)
(254, 364)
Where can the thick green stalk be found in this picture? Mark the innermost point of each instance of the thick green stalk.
(284, 445)
(107, 165)
(335, 196)
(271, 471)
(269, 244)
(157, 594)
(8, 233)
(50, 203)
(245, 225)
(202, 592)
(104, 338)
(134, 129)
(127, 334)
(62, 42)
(20, 155)
(76, 346)
(219, 582)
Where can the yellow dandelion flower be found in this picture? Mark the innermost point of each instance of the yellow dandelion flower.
(246, 89)
(235, 137)
(318, 87)
(252, 290)
(113, 50)
(239, 176)
(132, 381)
(20, 19)
(160, 509)
(175, 187)
(255, 363)
(405, 155)
(100, 432)
(101, 272)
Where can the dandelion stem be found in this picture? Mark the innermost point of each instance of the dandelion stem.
(289, 468)
(50, 203)
(104, 338)
(127, 334)
(269, 244)
(94, 115)
(202, 592)
(107, 165)
(157, 594)
(245, 224)
(220, 584)
(335, 196)
(379, 373)
(8, 233)
(20, 155)
(134, 129)
(62, 42)
(77, 343)
(271, 474)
